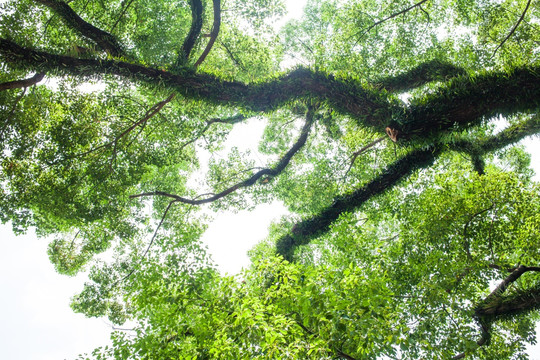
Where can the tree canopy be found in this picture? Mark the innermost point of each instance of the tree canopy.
(390, 136)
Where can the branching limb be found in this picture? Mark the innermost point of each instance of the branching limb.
(495, 305)
(377, 23)
(461, 103)
(149, 114)
(17, 84)
(306, 230)
(508, 136)
(269, 172)
(194, 31)
(214, 34)
(361, 151)
(103, 39)
(514, 28)
(232, 120)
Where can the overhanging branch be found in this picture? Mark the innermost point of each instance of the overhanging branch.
(17, 84)
(102, 38)
(463, 102)
(308, 229)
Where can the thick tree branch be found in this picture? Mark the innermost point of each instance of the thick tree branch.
(306, 230)
(269, 172)
(214, 34)
(508, 136)
(102, 38)
(514, 28)
(495, 305)
(17, 84)
(465, 101)
(434, 70)
(194, 31)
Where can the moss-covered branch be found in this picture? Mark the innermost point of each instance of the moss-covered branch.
(467, 100)
(103, 39)
(434, 70)
(464, 101)
(308, 229)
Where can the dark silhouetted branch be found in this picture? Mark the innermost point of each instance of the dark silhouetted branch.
(17, 84)
(121, 14)
(306, 230)
(461, 103)
(361, 151)
(214, 34)
(102, 38)
(377, 23)
(194, 30)
(514, 28)
(269, 172)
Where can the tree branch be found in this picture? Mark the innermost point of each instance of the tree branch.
(361, 151)
(495, 305)
(306, 230)
(434, 70)
(377, 23)
(463, 102)
(194, 31)
(102, 38)
(214, 34)
(514, 28)
(270, 172)
(17, 84)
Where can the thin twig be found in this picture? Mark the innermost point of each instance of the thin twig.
(390, 17)
(514, 28)
(361, 151)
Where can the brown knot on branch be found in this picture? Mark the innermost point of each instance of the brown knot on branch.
(392, 133)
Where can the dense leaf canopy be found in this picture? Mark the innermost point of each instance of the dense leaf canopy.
(390, 136)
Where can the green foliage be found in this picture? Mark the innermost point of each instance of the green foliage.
(392, 244)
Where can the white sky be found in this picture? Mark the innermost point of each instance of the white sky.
(37, 322)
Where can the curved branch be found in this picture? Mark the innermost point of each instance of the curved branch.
(434, 70)
(102, 38)
(194, 31)
(508, 136)
(17, 84)
(214, 34)
(269, 172)
(514, 28)
(463, 102)
(361, 151)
